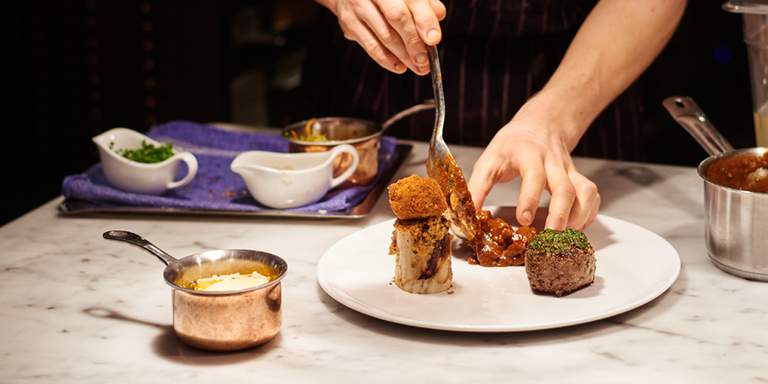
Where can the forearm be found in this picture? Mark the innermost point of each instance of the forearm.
(615, 44)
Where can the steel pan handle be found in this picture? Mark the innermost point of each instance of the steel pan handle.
(427, 105)
(688, 114)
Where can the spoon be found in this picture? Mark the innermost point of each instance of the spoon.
(442, 166)
(691, 117)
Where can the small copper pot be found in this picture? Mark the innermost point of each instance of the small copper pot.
(364, 135)
(226, 320)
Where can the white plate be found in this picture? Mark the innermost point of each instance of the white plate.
(634, 266)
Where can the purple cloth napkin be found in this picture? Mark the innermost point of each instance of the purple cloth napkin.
(215, 187)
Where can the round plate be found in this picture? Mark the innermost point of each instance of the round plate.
(634, 266)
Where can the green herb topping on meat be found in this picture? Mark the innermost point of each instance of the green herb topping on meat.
(555, 242)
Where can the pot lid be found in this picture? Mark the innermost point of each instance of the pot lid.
(747, 6)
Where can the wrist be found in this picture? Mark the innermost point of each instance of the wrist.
(560, 113)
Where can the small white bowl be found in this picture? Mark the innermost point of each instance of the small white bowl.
(132, 176)
(290, 180)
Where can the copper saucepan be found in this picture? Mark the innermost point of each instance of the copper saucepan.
(364, 135)
(223, 320)
(736, 220)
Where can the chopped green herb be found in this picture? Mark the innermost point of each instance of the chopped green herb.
(553, 242)
(148, 153)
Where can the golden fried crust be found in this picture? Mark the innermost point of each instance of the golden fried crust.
(416, 197)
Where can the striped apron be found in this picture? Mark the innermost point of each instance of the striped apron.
(495, 54)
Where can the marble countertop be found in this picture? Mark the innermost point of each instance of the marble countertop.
(77, 309)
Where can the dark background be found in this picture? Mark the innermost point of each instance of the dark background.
(77, 68)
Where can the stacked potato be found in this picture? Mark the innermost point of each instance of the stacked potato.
(420, 239)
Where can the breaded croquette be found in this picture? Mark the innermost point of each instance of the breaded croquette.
(416, 197)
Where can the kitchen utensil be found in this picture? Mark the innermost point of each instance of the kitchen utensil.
(132, 176)
(289, 180)
(364, 135)
(634, 266)
(735, 220)
(442, 167)
(221, 320)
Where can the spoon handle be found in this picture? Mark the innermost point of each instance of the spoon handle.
(688, 114)
(437, 88)
(132, 238)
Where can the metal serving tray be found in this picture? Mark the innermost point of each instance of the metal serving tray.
(73, 207)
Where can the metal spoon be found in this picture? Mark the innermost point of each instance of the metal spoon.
(442, 167)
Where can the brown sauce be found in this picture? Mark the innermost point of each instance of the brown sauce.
(500, 244)
(451, 180)
(495, 243)
(740, 172)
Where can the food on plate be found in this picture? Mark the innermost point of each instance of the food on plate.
(147, 153)
(231, 282)
(500, 244)
(461, 212)
(420, 240)
(559, 262)
(493, 242)
(745, 171)
(416, 197)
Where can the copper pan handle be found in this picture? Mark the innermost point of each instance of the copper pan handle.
(688, 114)
(427, 105)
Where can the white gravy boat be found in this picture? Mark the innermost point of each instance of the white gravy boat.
(290, 180)
(132, 176)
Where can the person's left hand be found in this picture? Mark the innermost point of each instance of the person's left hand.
(536, 147)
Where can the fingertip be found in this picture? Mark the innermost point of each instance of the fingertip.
(554, 225)
(524, 216)
(433, 36)
(556, 221)
(420, 71)
(478, 192)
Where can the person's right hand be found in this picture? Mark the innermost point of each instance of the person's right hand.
(393, 32)
(536, 145)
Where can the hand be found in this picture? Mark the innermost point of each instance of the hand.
(393, 32)
(537, 148)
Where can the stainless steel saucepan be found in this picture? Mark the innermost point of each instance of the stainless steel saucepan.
(736, 221)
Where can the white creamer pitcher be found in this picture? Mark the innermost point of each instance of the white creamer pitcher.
(289, 180)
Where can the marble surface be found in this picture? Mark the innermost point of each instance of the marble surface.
(78, 309)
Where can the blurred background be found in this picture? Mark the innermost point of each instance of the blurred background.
(78, 68)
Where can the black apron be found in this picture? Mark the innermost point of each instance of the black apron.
(494, 53)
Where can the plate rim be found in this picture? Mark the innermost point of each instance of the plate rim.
(354, 304)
